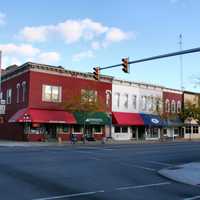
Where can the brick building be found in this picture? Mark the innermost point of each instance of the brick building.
(34, 95)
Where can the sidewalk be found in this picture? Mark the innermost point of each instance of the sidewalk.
(8, 143)
(188, 173)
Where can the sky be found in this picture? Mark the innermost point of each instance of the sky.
(80, 35)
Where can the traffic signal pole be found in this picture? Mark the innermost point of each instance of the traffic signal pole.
(194, 50)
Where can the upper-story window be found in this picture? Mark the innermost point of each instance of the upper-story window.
(117, 99)
(173, 106)
(51, 93)
(178, 106)
(158, 104)
(8, 96)
(126, 100)
(167, 105)
(108, 98)
(23, 91)
(88, 95)
(150, 103)
(144, 103)
(1, 95)
(134, 101)
(18, 92)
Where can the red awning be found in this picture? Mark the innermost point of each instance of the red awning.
(128, 119)
(43, 116)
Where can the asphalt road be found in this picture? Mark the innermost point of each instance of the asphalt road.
(117, 172)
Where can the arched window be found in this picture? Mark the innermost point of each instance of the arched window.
(23, 91)
(108, 98)
(173, 106)
(18, 91)
(167, 105)
(178, 106)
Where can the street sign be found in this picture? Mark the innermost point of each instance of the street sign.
(2, 109)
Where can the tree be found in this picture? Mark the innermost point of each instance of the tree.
(190, 110)
(86, 103)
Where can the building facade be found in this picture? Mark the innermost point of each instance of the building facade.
(191, 127)
(35, 95)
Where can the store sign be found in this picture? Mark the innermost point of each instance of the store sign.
(155, 121)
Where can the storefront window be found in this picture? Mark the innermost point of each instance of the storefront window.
(65, 129)
(176, 131)
(195, 129)
(152, 133)
(124, 129)
(97, 129)
(117, 129)
(188, 129)
(77, 129)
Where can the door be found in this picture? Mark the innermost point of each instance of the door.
(88, 133)
(134, 132)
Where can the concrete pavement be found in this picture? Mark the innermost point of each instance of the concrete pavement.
(95, 172)
(188, 173)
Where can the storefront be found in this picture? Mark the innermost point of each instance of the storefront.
(172, 128)
(153, 125)
(91, 125)
(125, 125)
(191, 129)
(42, 125)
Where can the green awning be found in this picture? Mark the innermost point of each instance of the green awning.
(95, 118)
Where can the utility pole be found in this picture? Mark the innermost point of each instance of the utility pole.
(181, 62)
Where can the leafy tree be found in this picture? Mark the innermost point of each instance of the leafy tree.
(87, 103)
(190, 110)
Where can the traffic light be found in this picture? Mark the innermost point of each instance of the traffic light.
(125, 65)
(96, 73)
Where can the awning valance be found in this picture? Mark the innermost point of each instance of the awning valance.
(43, 116)
(96, 118)
(151, 120)
(128, 119)
(176, 122)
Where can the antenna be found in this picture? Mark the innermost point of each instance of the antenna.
(181, 61)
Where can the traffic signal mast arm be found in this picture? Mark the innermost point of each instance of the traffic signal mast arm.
(156, 57)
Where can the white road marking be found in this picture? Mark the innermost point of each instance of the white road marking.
(143, 186)
(138, 166)
(193, 198)
(71, 195)
(159, 163)
(102, 191)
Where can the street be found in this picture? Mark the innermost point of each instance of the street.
(78, 172)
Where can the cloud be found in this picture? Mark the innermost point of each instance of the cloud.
(72, 31)
(95, 45)
(117, 35)
(20, 50)
(83, 55)
(2, 18)
(48, 57)
(18, 54)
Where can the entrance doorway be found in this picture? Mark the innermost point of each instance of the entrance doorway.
(134, 133)
(89, 133)
(141, 132)
(51, 131)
